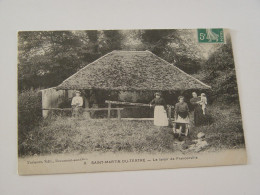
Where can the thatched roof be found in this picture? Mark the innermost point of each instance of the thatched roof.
(131, 70)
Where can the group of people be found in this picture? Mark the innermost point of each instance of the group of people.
(181, 109)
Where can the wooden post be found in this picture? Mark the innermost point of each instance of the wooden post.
(118, 114)
(170, 115)
(66, 94)
(109, 111)
(170, 112)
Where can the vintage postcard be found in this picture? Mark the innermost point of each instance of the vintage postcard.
(117, 100)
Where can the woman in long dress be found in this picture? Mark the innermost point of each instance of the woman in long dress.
(198, 112)
(160, 115)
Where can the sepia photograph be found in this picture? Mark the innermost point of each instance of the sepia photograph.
(116, 100)
(129, 97)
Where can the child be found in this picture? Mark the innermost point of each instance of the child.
(199, 144)
(203, 102)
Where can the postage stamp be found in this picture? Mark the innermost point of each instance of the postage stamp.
(213, 35)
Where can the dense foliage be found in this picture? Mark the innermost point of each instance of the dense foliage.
(220, 72)
(29, 114)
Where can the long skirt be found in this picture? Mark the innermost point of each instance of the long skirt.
(160, 116)
(76, 111)
(198, 116)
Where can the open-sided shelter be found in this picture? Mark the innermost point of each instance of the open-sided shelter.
(130, 75)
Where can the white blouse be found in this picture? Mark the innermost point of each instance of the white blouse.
(77, 101)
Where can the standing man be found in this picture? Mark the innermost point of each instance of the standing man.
(77, 103)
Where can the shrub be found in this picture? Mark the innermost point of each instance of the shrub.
(29, 113)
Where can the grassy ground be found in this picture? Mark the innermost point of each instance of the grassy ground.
(225, 131)
(66, 135)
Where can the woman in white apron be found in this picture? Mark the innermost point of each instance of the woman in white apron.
(160, 115)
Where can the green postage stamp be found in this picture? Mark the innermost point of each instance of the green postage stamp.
(213, 35)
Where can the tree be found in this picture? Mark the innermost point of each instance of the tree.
(46, 58)
(42, 55)
(179, 47)
(220, 74)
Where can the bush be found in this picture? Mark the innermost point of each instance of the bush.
(226, 131)
(29, 113)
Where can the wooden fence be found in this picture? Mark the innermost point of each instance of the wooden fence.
(92, 109)
(169, 107)
(109, 109)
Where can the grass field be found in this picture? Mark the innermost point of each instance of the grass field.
(66, 135)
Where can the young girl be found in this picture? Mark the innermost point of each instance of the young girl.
(203, 102)
(199, 144)
(181, 116)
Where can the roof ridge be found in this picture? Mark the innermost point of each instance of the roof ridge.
(130, 51)
(181, 70)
